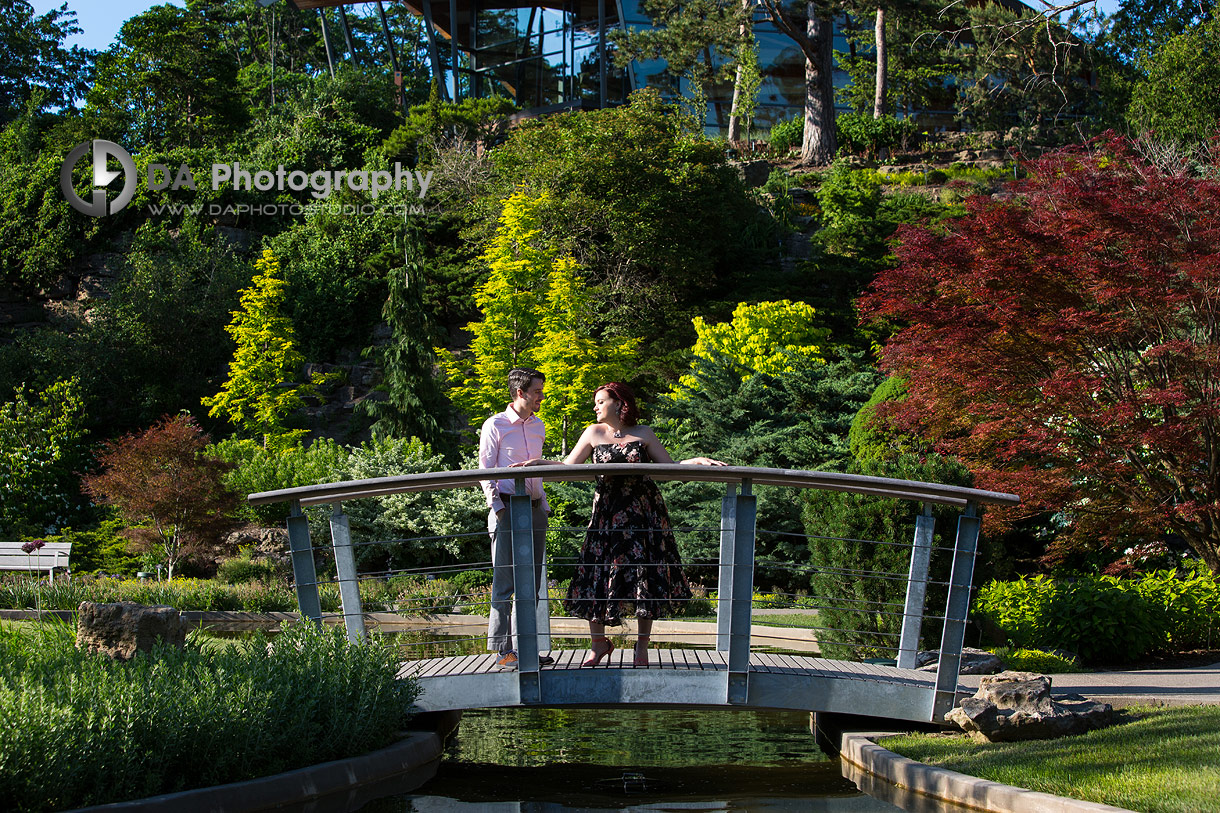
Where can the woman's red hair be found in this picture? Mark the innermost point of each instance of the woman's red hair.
(628, 412)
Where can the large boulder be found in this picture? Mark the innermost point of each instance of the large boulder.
(123, 629)
(1015, 706)
(974, 662)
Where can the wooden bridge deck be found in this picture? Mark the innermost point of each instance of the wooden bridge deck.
(677, 677)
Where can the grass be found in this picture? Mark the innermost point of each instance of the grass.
(795, 620)
(1157, 760)
(79, 729)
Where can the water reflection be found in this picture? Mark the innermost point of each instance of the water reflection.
(565, 760)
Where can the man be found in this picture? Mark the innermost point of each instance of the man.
(512, 436)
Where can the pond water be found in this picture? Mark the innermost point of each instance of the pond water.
(558, 760)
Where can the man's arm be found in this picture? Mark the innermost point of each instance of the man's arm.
(489, 453)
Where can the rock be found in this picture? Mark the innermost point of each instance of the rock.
(267, 543)
(974, 662)
(753, 173)
(1014, 706)
(123, 629)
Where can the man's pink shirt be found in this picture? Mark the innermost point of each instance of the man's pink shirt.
(506, 439)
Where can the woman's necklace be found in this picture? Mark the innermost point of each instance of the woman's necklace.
(618, 433)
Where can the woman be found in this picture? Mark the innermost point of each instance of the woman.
(629, 560)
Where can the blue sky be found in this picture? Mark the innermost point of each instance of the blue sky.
(101, 20)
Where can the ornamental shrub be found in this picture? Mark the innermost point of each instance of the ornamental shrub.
(786, 135)
(860, 133)
(82, 729)
(1105, 618)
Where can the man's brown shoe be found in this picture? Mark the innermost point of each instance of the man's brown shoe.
(507, 661)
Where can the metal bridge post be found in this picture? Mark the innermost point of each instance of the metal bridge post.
(542, 610)
(345, 568)
(304, 577)
(525, 592)
(917, 589)
(724, 589)
(743, 596)
(956, 609)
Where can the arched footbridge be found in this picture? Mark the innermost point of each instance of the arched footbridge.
(727, 667)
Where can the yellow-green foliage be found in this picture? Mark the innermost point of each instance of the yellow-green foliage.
(266, 357)
(761, 337)
(536, 313)
(1035, 660)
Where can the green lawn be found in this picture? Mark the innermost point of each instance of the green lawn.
(1164, 760)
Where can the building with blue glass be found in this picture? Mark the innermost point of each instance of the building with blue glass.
(552, 55)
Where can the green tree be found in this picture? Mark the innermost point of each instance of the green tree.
(255, 468)
(763, 337)
(163, 83)
(657, 221)
(796, 417)
(811, 26)
(413, 405)
(916, 55)
(259, 394)
(425, 528)
(1025, 71)
(860, 547)
(1140, 28)
(699, 40)
(536, 313)
(511, 302)
(151, 346)
(34, 64)
(1178, 99)
(40, 235)
(41, 452)
(574, 363)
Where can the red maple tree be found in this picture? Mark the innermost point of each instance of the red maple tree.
(1064, 342)
(163, 484)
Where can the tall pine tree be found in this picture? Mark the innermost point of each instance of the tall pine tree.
(414, 401)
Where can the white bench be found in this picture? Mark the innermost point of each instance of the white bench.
(48, 557)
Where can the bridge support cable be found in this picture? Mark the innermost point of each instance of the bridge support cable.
(525, 591)
(345, 570)
(304, 576)
(957, 606)
(742, 596)
(917, 589)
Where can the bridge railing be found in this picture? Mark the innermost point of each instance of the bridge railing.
(735, 568)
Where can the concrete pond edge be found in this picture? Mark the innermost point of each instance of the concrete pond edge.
(341, 785)
(914, 786)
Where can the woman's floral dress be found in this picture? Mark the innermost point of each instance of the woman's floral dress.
(629, 563)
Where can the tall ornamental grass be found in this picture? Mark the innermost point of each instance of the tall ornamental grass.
(79, 729)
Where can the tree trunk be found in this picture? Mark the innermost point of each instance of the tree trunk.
(882, 66)
(818, 142)
(734, 119)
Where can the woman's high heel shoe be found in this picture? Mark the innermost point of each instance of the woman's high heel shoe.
(641, 652)
(598, 655)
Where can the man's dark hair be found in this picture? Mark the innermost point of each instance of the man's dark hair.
(520, 378)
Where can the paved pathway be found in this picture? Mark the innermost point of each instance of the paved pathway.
(1160, 687)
